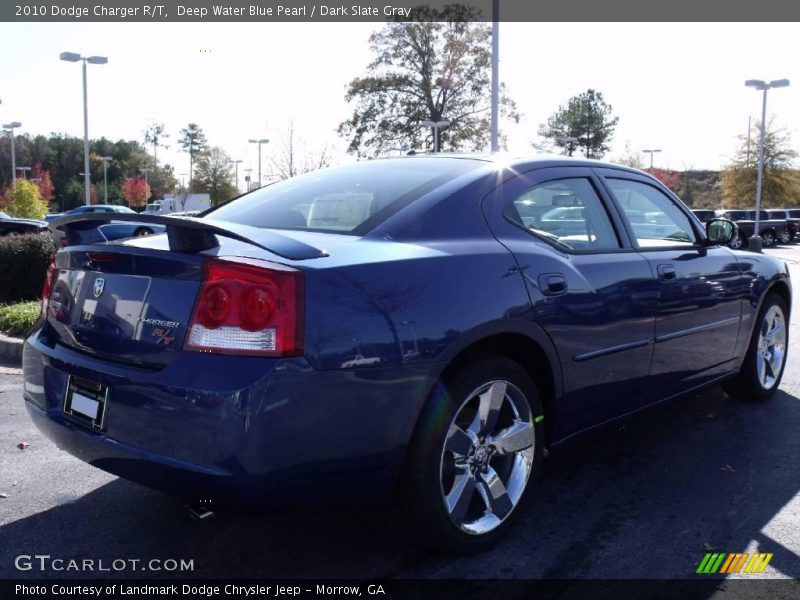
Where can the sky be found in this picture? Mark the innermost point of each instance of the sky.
(675, 86)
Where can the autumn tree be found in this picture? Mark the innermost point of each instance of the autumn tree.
(42, 179)
(136, 191)
(780, 182)
(25, 201)
(434, 67)
(292, 156)
(585, 123)
(214, 175)
(155, 134)
(671, 179)
(192, 141)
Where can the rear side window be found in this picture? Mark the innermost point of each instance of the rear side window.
(654, 217)
(567, 213)
(352, 199)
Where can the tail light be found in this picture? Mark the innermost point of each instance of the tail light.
(248, 306)
(48, 285)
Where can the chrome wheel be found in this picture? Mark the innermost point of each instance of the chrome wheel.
(487, 457)
(786, 237)
(768, 238)
(771, 350)
(736, 242)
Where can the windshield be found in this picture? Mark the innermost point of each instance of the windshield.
(4, 216)
(352, 199)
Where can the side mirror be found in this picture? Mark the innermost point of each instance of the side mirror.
(720, 231)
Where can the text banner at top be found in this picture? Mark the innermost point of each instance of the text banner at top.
(404, 10)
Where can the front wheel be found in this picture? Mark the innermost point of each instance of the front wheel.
(765, 361)
(768, 238)
(476, 452)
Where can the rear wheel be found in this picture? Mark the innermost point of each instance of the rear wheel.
(478, 448)
(736, 243)
(142, 231)
(768, 237)
(785, 237)
(765, 361)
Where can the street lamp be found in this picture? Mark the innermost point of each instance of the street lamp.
(183, 180)
(95, 60)
(569, 140)
(259, 142)
(755, 241)
(236, 165)
(10, 127)
(435, 125)
(651, 153)
(105, 160)
(145, 170)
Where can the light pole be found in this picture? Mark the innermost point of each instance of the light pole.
(183, 180)
(570, 140)
(754, 243)
(435, 125)
(651, 153)
(10, 127)
(145, 170)
(95, 60)
(105, 160)
(259, 142)
(495, 146)
(236, 165)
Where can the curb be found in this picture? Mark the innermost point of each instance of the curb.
(11, 348)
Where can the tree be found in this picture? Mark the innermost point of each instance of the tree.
(136, 191)
(25, 201)
(435, 67)
(43, 182)
(193, 141)
(294, 158)
(630, 157)
(671, 179)
(780, 183)
(214, 175)
(155, 134)
(586, 117)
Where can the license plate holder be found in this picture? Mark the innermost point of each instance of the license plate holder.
(86, 402)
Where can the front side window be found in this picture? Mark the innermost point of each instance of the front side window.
(654, 217)
(566, 213)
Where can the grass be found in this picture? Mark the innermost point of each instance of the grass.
(17, 319)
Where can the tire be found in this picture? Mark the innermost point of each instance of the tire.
(768, 237)
(785, 237)
(736, 243)
(765, 360)
(462, 489)
(142, 231)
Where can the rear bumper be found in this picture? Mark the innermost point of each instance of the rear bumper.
(233, 429)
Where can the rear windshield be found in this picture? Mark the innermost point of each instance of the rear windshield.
(352, 199)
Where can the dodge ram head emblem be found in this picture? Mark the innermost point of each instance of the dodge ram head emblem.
(99, 286)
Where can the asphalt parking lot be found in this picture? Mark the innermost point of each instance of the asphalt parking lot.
(643, 500)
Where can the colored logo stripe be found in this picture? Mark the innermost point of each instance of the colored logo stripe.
(725, 563)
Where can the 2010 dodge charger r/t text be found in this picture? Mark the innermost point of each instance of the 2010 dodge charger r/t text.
(423, 327)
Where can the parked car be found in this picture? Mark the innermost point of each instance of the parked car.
(792, 229)
(769, 229)
(216, 362)
(705, 215)
(117, 230)
(13, 226)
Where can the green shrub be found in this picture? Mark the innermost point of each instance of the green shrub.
(23, 265)
(17, 319)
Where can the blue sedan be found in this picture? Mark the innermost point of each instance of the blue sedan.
(112, 231)
(423, 327)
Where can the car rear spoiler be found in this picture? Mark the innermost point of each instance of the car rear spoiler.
(186, 234)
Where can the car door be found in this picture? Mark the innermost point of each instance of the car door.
(593, 294)
(699, 286)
